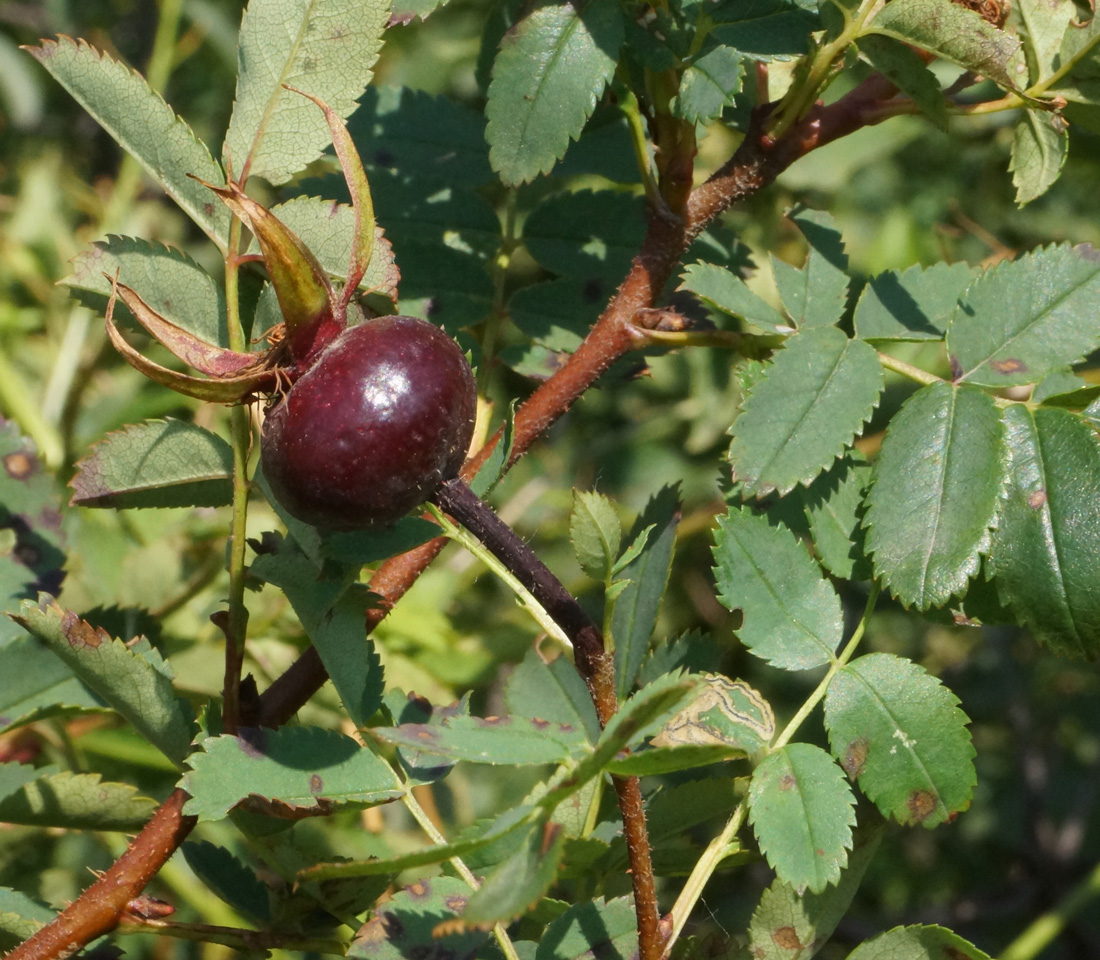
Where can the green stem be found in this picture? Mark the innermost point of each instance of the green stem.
(17, 402)
(246, 941)
(723, 845)
(639, 141)
(908, 370)
(508, 244)
(1046, 928)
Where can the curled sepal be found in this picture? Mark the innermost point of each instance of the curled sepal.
(362, 248)
(261, 377)
(312, 312)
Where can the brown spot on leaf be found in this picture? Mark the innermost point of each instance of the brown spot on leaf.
(956, 368)
(954, 953)
(1009, 365)
(1086, 250)
(81, 634)
(420, 889)
(316, 784)
(787, 781)
(921, 804)
(786, 938)
(19, 465)
(855, 757)
(456, 902)
(1037, 499)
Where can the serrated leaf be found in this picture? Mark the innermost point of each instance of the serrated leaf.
(1043, 556)
(77, 801)
(517, 884)
(595, 532)
(636, 608)
(917, 943)
(672, 810)
(332, 611)
(588, 234)
(142, 124)
(815, 293)
(727, 292)
(327, 50)
(137, 685)
(406, 926)
(692, 652)
(1040, 143)
(899, 732)
(20, 916)
(507, 740)
(913, 304)
(905, 68)
(954, 33)
(936, 483)
(708, 85)
(792, 615)
(790, 926)
(159, 463)
(168, 280)
(230, 879)
(298, 768)
(607, 929)
(812, 400)
(1044, 24)
(37, 685)
(550, 71)
(834, 508)
(727, 713)
(802, 811)
(764, 29)
(551, 691)
(421, 765)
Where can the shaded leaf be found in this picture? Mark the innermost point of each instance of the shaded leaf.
(815, 293)
(899, 732)
(954, 33)
(1043, 557)
(37, 685)
(725, 291)
(636, 608)
(802, 811)
(708, 85)
(1044, 23)
(551, 691)
(508, 740)
(595, 532)
(327, 50)
(792, 613)
(934, 497)
(142, 124)
(834, 508)
(159, 463)
(77, 801)
(912, 304)
(693, 652)
(299, 768)
(607, 929)
(421, 765)
(135, 683)
(812, 400)
(917, 943)
(406, 926)
(1040, 143)
(588, 234)
(234, 882)
(520, 881)
(20, 916)
(550, 70)
(764, 28)
(904, 68)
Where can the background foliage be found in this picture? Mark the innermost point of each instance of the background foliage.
(901, 193)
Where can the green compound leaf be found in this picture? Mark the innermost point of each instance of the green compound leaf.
(903, 66)
(1043, 557)
(20, 917)
(169, 281)
(815, 293)
(134, 681)
(300, 768)
(331, 608)
(406, 925)
(834, 508)
(324, 49)
(727, 292)
(787, 925)
(636, 608)
(792, 613)
(36, 685)
(935, 492)
(708, 85)
(551, 69)
(596, 533)
(813, 399)
(914, 304)
(1045, 23)
(551, 691)
(917, 943)
(159, 463)
(233, 881)
(954, 33)
(517, 884)
(142, 124)
(802, 810)
(1040, 144)
(605, 929)
(508, 740)
(899, 732)
(1026, 317)
(77, 801)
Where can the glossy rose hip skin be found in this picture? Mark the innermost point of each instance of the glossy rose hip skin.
(372, 429)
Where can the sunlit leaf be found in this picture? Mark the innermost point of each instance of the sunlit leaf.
(917, 943)
(77, 801)
(596, 533)
(912, 304)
